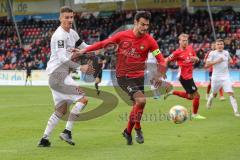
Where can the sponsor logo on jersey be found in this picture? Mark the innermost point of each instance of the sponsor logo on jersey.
(125, 45)
(129, 89)
(60, 44)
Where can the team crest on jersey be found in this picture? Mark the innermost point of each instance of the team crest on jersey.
(142, 47)
(60, 44)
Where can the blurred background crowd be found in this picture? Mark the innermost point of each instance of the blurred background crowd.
(165, 27)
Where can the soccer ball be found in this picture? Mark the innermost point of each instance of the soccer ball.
(178, 114)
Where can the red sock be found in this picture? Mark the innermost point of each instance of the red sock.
(221, 92)
(208, 88)
(131, 121)
(181, 94)
(138, 110)
(195, 105)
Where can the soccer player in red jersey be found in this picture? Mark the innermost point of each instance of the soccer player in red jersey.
(132, 52)
(210, 69)
(186, 58)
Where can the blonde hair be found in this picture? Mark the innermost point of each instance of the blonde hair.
(183, 35)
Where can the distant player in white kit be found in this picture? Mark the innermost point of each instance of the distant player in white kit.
(64, 89)
(219, 59)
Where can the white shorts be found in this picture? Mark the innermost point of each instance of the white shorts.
(163, 85)
(217, 84)
(152, 87)
(60, 98)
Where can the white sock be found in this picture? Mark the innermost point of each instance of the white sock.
(69, 125)
(52, 122)
(234, 104)
(156, 92)
(75, 111)
(210, 98)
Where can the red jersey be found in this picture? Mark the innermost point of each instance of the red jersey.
(183, 60)
(210, 69)
(132, 52)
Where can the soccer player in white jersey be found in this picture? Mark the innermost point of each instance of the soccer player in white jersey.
(65, 91)
(219, 59)
(151, 65)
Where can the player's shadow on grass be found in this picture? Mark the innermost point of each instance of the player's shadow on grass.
(109, 103)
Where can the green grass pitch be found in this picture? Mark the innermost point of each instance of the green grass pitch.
(24, 112)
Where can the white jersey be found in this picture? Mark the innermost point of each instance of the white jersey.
(151, 58)
(61, 43)
(220, 70)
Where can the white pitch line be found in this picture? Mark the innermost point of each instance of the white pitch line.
(8, 151)
(26, 105)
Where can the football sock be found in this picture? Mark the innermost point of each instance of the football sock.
(138, 111)
(181, 94)
(131, 122)
(69, 125)
(234, 104)
(74, 115)
(221, 92)
(208, 88)
(96, 86)
(195, 105)
(52, 122)
(156, 92)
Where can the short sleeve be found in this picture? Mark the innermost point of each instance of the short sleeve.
(210, 57)
(173, 56)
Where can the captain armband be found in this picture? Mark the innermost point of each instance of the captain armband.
(156, 52)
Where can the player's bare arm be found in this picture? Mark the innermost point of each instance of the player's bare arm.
(194, 59)
(206, 66)
(76, 53)
(170, 58)
(103, 64)
(230, 59)
(161, 64)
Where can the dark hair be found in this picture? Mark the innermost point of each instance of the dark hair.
(66, 9)
(142, 14)
(219, 40)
